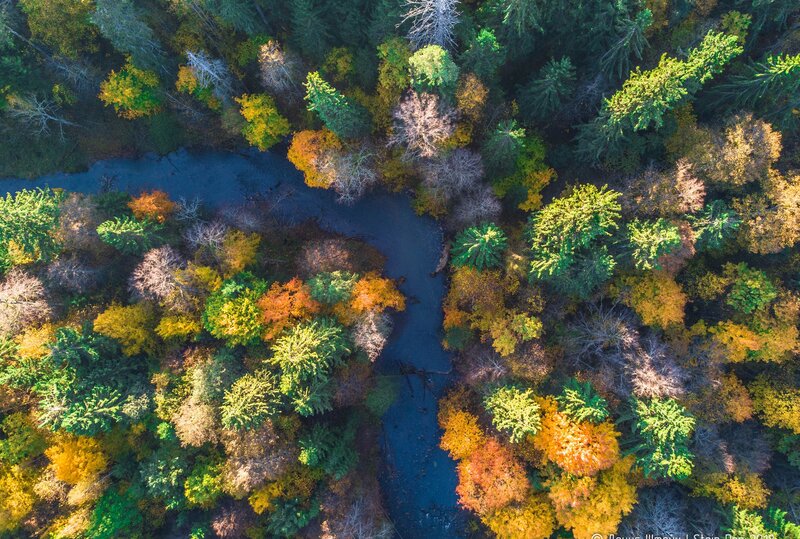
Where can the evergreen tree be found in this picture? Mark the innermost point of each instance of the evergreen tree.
(569, 225)
(503, 148)
(306, 356)
(330, 449)
(250, 401)
(714, 225)
(630, 40)
(342, 116)
(484, 56)
(581, 403)
(240, 14)
(514, 411)
(120, 23)
(480, 247)
(664, 429)
(432, 70)
(770, 87)
(544, 94)
(27, 224)
(129, 235)
(650, 240)
(310, 33)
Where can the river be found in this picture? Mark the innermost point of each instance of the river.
(418, 479)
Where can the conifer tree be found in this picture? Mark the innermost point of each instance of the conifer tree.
(342, 116)
(480, 246)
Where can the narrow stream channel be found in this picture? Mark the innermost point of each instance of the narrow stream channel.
(417, 477)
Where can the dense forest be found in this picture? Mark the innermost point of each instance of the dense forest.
(619, 184)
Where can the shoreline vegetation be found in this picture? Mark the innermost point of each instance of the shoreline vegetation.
(618, 183)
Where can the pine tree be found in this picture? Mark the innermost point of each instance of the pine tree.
(630, 40)
(250, 401)
(714, 225)
(129, 235)
(664, 428)
(27, 221)
(480, 247)
(484, 56)
(650, 240)
(514, 411)
(330, 449)
(120, 23)
(543, 95)
(342, 116)
(581, 403)
(310, 32)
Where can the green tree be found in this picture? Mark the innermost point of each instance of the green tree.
(332, 287)
(484, 56)
(770, 87)
(582, 403)
(133, 92)
(432, 70)
(129, 235)
(203, 485)
(28, 221)
(751, 290)
(310, 32)
(116, 514)
(330, 449)
(514, 411)
(568, 226)
(232, 313)
(544, 94)
(265, 126)
(503, 148)
(250, 401)
(647, 96)
(714, 225)
(121, 23)
(481, 246)
(630, 40)
(62, 24)
(341, 115)
(306, 356)
(649, 240)
(240, 14)
(163, 474)
(664, 429)
(291, 515)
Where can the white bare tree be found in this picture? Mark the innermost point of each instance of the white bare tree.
(280, 69)
(22, 302)
(154, 277)
(211, 73)
(371, 333)
(72, 274)
(421, 125)
(40, 116)
(352, 173)
(453, 174)
(475, 207)
(204, 234)
(432, 22)
(82, 77)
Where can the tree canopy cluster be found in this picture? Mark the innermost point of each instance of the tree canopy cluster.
(619, 185)
(161, 374)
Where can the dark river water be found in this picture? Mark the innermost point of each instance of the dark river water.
(417, 477)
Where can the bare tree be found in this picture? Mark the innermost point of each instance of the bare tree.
(432, 22)
(280, 70)
(82, 77)
(654, 371)
(22, 302)
(421, 124)
(211, 73)
(475, 207)
(154, 277)
(204, 234)
(371, 333)
(353, 172)
(360, 520)
(37, 114)
(187, 210)
(77, 224)
(659, 511)
(72, 274)
(232, 519)
(195, 423)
